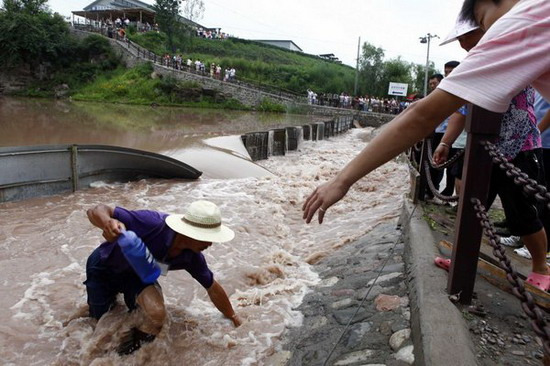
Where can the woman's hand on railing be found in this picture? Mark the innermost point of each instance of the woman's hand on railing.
(441, 154)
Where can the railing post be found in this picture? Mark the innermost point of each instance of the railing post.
(480, 125)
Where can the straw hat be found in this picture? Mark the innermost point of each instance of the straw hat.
(461, 28)
(202, 221)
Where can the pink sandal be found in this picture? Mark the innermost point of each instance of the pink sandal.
(539, 281)
(443, 263)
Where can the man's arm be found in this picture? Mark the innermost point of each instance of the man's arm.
(101, 216)
(454, 129)
(402, 132)
(221, 301)
(544, 122)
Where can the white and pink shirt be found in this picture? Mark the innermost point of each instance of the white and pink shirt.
(513, 53)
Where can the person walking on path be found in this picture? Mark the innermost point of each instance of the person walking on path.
(175, 242)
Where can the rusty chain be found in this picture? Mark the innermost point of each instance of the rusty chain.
(432, 187)
(528, 305)
(530, 186)
(446, 164)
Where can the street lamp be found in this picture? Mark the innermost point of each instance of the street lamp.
(426, 39)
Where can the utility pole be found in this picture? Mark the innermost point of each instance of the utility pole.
(357, 68)
(426, 39)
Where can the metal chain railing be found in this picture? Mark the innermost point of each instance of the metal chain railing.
(538, 321)
(446, 164)
(530, 186)
(432, 186)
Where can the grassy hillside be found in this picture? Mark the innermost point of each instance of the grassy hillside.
(260, 63)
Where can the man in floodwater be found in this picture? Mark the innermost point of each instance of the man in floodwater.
(175, 241)
(512, 54)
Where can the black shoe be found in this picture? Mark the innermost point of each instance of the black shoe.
(502, 223)
(502, 231)
(136, 339)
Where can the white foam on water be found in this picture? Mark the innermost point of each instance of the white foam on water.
(265, 270)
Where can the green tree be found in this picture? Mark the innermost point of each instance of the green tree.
(32, 7)
(168, 18)
(370, 68)
(395, 70)
(419, 73)
(30, 35)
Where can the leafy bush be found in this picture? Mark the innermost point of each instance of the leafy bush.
(267, 105)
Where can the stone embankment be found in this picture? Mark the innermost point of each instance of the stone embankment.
(359, 314)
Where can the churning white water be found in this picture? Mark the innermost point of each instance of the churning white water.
(44, 244)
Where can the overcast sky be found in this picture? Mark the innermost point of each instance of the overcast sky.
(327, 26)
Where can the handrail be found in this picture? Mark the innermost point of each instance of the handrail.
(483, 126)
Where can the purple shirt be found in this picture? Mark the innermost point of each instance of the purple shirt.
(519, 130)
(157, 236)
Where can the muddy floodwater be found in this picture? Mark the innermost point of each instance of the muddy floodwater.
(266, 270)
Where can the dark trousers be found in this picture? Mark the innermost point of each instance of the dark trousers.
(524, 215)
(437, 174)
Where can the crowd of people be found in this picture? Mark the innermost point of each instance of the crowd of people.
(361, 103)
(213, 70)
(215, 33)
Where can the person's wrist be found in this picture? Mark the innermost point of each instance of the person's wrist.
(445, 145)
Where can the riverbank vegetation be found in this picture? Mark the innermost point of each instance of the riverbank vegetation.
(38, 44)
(140, 85)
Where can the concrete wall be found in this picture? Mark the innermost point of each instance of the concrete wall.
(365, 119)
(262, 145)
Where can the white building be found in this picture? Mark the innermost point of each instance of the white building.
(286, 44)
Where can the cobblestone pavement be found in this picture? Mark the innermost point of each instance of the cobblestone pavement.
(372, 269)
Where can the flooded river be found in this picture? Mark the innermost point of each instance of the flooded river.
(44, 242)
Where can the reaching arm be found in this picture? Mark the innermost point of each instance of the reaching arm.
(221, 301)
(402, 132)
(101, 216)
(454, 129)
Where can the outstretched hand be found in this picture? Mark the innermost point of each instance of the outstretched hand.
(322, 198)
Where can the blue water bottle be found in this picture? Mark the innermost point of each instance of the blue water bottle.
(139, 257)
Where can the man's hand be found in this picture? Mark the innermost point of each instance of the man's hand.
(113, 229)
(236, 320)
(322, 198)
(441, 154)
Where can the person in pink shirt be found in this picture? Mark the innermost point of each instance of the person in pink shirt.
(513, 53)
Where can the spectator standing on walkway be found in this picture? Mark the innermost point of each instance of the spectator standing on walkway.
(513, 53)
(439, 131)
(309, 96)
(212, 69)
